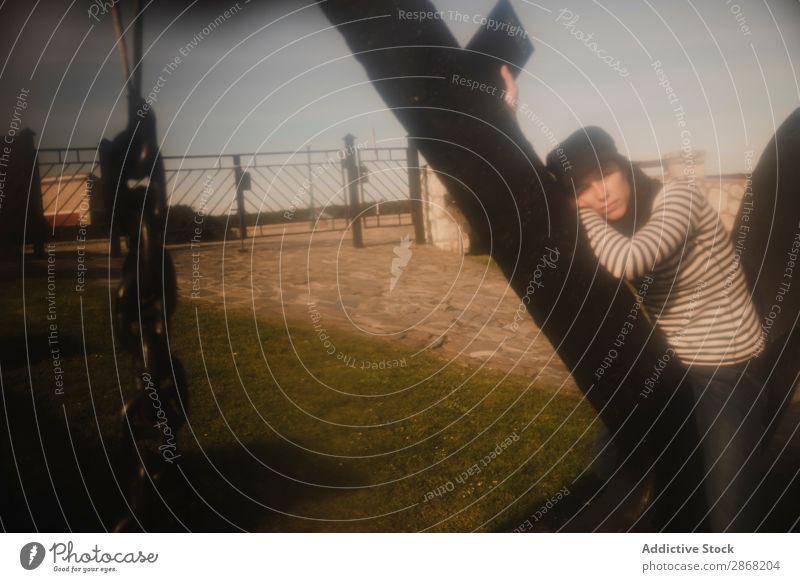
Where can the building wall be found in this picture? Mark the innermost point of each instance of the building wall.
(445, 226)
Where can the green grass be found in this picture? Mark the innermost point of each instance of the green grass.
(281, 436)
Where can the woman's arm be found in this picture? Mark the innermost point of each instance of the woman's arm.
(665, 233)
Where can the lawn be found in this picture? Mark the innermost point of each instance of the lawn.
(281, 435)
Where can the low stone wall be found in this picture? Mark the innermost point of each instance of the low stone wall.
(724, 192)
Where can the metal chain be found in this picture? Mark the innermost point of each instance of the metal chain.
(146, 299)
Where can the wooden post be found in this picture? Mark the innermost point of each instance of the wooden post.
(522, 215)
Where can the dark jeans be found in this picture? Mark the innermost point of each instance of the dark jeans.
(729, 417)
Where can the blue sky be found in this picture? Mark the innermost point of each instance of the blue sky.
(732, 67)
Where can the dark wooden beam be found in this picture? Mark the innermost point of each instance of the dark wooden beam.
(505, 192)
(767, 236)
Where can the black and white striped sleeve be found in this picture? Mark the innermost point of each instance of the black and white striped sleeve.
(665, 233)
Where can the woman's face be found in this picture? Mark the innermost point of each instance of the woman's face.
(606, 190)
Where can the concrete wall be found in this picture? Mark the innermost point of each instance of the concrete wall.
(445, 226)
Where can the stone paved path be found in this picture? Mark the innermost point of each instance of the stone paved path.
(455, 306)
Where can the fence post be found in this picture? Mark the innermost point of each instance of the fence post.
(310, 181)
(353, 179)
(240, 187)
(29, 160)
(415, 194)
(360, 171)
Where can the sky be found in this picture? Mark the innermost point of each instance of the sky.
(277, 76)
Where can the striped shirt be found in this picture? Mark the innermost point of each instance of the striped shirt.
(696, 290)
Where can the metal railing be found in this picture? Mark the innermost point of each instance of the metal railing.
(303, 189)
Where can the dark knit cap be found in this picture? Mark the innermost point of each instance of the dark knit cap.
(583, 152)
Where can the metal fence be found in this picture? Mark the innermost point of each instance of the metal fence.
(299, 190)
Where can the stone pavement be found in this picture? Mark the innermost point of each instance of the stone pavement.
(454, 306)
(431, 300)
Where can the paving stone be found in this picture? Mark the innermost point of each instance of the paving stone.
(437, 292)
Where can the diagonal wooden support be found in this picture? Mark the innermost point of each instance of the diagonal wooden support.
(506, 194)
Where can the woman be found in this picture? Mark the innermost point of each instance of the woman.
(639, 227)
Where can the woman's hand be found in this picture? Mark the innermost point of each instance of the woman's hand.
(511, 90)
